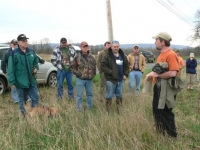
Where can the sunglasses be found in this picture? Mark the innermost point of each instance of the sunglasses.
(115, 42)
(135, 47)
(85, 46)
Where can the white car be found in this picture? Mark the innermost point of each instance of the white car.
(47, 73)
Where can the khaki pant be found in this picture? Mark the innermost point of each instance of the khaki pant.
(102, 85)
(190, 79)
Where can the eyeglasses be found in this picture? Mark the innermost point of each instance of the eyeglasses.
(115, 42)
(135, 47)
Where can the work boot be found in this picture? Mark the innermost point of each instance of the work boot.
(119, 104)
(108, 105)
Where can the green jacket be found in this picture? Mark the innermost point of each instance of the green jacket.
(20, 68)
(4, 60)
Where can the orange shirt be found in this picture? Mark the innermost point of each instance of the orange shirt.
(171, 58)
(181, 62)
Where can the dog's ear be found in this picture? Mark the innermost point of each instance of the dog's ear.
(54, 111)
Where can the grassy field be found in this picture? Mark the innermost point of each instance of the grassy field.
(131, 129)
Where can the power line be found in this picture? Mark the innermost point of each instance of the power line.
(196, 2)
(188, 4)
(174, 12)
(180, 11)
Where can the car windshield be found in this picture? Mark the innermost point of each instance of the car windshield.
(147, 52)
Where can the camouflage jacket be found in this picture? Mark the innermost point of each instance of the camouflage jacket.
(84, 66)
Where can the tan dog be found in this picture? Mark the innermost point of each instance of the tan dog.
(43, 111)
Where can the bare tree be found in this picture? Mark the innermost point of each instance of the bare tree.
(43, 46)
(196, 35)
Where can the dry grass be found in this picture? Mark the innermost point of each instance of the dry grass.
(131, 129)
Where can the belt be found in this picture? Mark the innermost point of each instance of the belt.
(136, 69)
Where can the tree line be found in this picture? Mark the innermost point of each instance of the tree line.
(44, 46)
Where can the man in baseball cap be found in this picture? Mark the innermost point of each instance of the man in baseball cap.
(62, 58)
(22, 68)
(4, 64)
(162, 112)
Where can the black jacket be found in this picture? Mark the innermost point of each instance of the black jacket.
(109, 66)
(4, 61)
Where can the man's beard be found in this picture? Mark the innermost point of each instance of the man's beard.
(115, 51)
(158, 48)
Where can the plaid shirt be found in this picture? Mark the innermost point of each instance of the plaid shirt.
(57, 57)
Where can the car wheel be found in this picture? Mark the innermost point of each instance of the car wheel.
(2, 86)
(52, 80)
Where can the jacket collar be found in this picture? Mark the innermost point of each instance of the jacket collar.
(111, 53)
(21, 52)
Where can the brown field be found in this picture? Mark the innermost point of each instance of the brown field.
(131, 129)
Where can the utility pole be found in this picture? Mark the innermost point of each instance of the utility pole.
(109, 20)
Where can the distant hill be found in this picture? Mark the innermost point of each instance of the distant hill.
(142, 45)
(126, 46)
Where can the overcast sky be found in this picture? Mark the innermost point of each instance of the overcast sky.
(134, 21)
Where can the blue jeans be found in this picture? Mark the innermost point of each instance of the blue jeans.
(14, 95)
(80, 85)
(32, 92)
(61, 75)
(114, 89)
(135, 78)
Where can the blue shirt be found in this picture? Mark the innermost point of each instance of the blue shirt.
(119, 62)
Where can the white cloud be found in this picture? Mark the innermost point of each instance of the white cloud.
(85, 20)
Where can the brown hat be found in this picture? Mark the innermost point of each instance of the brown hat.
(83, 44)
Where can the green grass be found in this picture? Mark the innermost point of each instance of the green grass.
(131, 129)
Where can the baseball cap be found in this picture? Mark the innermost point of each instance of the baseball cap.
(22, 37)
(63, 40)
(84, 43)
(163, 35)
(191, 54)
(13, 41)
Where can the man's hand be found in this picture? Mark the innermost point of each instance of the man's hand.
(124, 77)
(151, 74)
(34, 70)
(12, 86)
